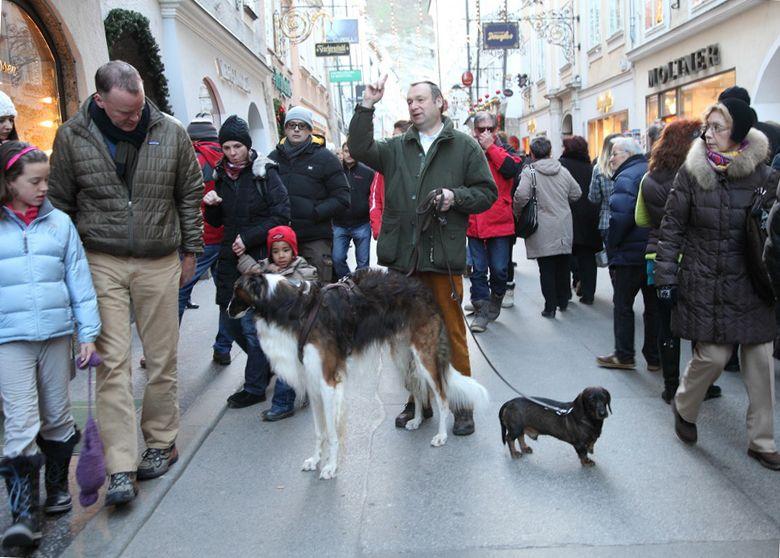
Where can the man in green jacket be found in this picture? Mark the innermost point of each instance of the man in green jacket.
(430, 155)
(128, 176)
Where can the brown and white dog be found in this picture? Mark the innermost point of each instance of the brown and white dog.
(381, 308)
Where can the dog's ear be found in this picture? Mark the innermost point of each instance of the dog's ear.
(579, 404)
(608, 398)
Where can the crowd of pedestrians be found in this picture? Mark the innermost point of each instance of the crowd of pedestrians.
(133, 209)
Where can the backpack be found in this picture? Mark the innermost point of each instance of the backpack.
(755, 238)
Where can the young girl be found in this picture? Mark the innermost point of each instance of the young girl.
(7, 119)
(45, 286)
(283, 257)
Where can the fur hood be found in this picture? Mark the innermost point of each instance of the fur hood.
(261, 164)
(699, 167)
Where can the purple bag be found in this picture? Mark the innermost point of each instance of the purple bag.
(91, 468)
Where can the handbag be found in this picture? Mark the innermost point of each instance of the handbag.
(602, 260)
(91, 468)
(527, 221)
(755, 238)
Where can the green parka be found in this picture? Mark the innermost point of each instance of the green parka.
(161, 215)
(454, 161)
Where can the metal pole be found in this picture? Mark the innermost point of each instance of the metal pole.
(468, 49)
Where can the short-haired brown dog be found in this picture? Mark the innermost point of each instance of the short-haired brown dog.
(579, 424)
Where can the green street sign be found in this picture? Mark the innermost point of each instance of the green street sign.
(341, 76)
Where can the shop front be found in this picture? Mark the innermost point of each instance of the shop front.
(605, 110)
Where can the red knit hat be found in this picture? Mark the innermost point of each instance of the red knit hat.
(283, 234)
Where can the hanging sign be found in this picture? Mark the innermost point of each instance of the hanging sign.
(500, 35)
(342, 76)
(331, 49)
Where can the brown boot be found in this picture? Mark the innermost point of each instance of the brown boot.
(768, 460)
(685, 430)
(408, 414)
(464, 423)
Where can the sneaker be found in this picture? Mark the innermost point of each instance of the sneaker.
(243, 398)
(509, 299)
(221, 358)
(271, 415)
(464, 423)
(155, 462)
(121, 489)
(191, 306)
(408, 414)
(770, 460)
(612, 361)
(468, 308)
(548, 313)
(587, 301)
(653, 366)
(686, 431)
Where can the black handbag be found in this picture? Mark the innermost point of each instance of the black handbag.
(755, 238)
(527, 221)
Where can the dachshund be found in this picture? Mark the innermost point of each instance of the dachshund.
(578, 422)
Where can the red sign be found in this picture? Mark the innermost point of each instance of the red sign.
(467, 79)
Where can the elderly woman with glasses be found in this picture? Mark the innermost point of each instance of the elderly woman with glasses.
(701, 271)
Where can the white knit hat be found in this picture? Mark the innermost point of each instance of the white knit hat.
(7, 107)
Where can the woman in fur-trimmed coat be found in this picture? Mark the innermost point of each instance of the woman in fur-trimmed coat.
(701, 271)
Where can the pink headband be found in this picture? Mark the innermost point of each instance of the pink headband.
(18, 156)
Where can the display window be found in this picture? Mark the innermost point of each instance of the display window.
(599, 128)
(28, 74)
(689, 100)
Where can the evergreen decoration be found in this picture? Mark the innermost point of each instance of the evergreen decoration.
(129, 38)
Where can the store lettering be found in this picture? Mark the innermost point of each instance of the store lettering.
(8, 68)
(282, 83)
(687, 65)
(231, 75)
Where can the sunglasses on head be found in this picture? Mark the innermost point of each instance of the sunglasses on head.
(296, 126)
(482, 130)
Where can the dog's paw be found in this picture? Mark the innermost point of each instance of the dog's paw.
(588, 462)
(414, 424)
(528, 450)
(311, 464)
(328, 471)
(439, 440)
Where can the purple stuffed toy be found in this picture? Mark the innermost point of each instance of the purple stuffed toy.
(91, 468)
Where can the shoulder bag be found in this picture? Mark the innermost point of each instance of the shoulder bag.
(527, 221)
(755, 238)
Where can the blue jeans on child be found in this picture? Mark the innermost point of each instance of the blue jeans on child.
(208, 260)
(361, 235)
(493, 255)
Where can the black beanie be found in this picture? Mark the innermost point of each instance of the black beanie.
(235, 129)
(735, 92)
(202, 130)
(742, 115)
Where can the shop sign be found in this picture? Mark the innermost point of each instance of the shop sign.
(604, 102)
(532, 127)
(282, 83)
(331, 49)
(688, 65)
(500, 35)
(8, 68)
(343, 76)
(232, 75)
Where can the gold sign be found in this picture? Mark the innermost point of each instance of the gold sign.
(8, 68)
(532, 127)
(604, 102)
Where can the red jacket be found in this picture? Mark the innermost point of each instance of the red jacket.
(376, 203)
(209, 153)
(498, 220)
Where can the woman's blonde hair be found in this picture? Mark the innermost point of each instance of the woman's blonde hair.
(721, 108)
(606, 151)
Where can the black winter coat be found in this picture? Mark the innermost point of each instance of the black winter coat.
(318, 189)
(251, 206)
(360, 178)
(705, 223)
(585, 214)
(626, 241)
(655, 190)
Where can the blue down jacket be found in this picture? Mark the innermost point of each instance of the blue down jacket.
(626, 241)
(45, 284)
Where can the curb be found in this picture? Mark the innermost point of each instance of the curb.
(111, 530)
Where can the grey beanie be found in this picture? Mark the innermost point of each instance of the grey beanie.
(7, 107)
(300, 114)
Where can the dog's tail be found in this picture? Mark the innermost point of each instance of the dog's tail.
(464, 392)
(501, 421)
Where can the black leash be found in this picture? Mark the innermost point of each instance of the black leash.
(345, 283)
(433, 210)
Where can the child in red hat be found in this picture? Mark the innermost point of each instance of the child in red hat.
(282, 257)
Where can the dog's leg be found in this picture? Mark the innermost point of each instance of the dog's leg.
(523, 446)
(582, 453)
(590, 447)
(512, 449)
(328, 470)
(442, 407)
(415, 423)
(316, 411)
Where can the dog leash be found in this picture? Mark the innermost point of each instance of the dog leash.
(433, 210)
(344, 283)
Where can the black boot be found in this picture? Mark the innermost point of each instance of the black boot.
(21, 479)
(494, 306)
(464, 422)
(669, 350)
(58, 456)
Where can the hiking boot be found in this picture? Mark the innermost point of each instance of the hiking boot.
(468, 308)
(686, 431)
(22, 482)
(612, 361)
(713, 392)
(221, 358)
(668, 393)
(243, 398)
(494, 307)
(770, 460)
(480, 321)
(509, 299)
(408, 414)
(464, 422)
(58, 456)
(121, 490)
(155, 462)
(272, 415)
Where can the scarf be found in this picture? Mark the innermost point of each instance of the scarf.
(292, 151)
(233, 171)
(127, 143)
(720, 160)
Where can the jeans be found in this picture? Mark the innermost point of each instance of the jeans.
(627, 281)
(208, 260)
(492, 254)
(257, 372)
(554, 278)
(510, 274)
(361, 235)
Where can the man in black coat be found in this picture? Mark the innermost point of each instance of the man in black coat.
(318, 189)
(353, 225)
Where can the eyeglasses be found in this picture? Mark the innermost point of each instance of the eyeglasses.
(296, 126)
(616, 153)
(716, 128)
(481, 130)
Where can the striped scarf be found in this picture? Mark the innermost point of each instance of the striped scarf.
(720, 160)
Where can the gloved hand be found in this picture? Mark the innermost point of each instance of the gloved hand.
(667, 295)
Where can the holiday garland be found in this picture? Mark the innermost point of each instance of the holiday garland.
(118, 24)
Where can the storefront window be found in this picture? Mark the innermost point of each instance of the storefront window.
(696, 97)
(669, 104)
(615, 18)
(599, 128)
(28, 74)
(652, 109)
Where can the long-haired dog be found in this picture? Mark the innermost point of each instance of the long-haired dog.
(577, 422)
(380, 307)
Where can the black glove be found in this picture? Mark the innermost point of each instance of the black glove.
(667, 295)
